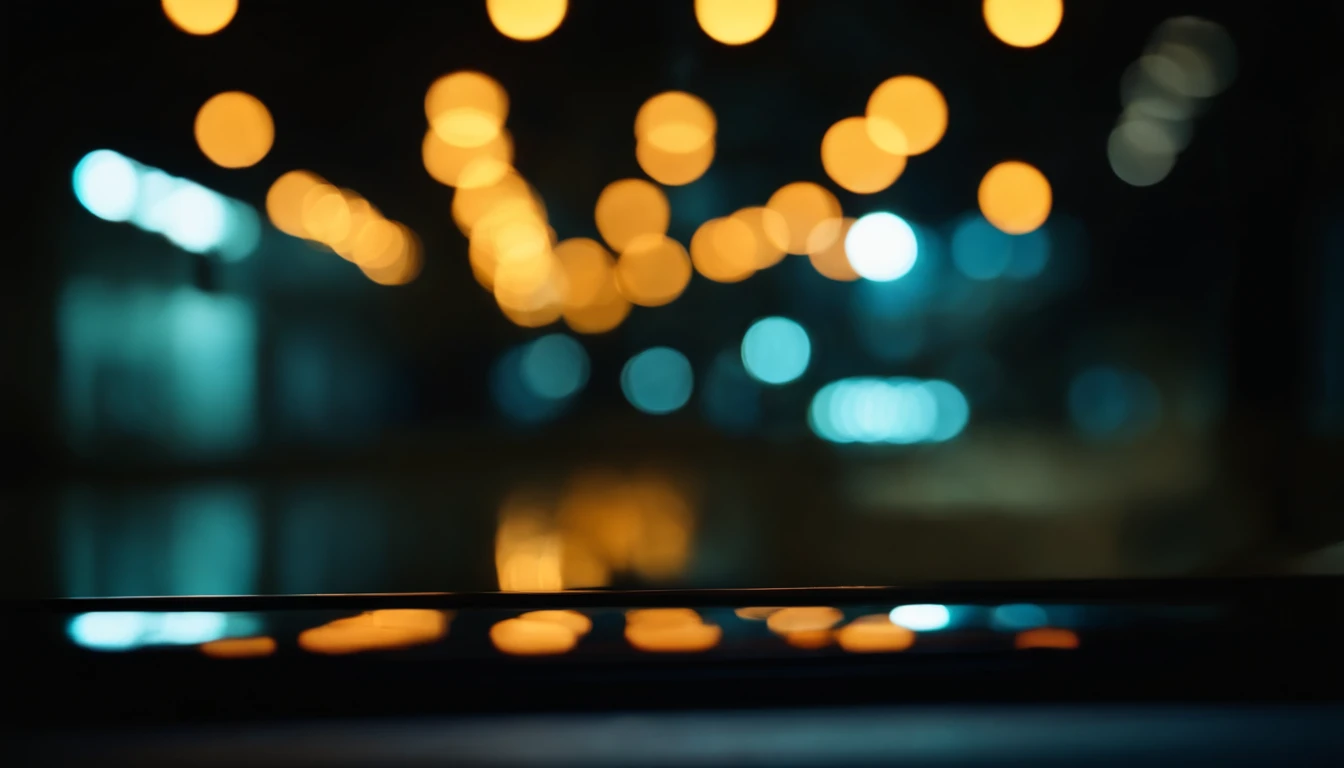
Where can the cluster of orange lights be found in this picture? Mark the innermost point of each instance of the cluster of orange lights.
(540, 633)
(382, 630)
(670, 630)
(303, 204)
(813, 627)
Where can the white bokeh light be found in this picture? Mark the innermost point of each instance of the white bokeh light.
(881, 247)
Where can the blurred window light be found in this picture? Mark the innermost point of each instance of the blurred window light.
(675, 122)
(855, 162)
(1141, 152)
(1015, 197)
(769, 231)
(776, 350)
(200, 17)
(1018, 616)
(653, 270)
(526, 20)
(657, 381)
(921, 618)
(482, 165)
(881, 247)
(894, 411)
(629, 208)
(116, 188)
(674, 169)
(466, 109)
(234, 129)
(555, 366)
(1107, 402)
(730, 397)
(811, 216)
(1023, 23)
(907, 115)
(833, 262)
(735, 22)
(724, 250)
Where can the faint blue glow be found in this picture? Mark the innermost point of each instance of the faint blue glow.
(921, 618)
(515, 397)
(554, 367)
(881, 247)
(1030, 254)
(952, 410)
(982, 251)
(776, 350)
(1018, 616)
(897, 411)
(107, 184)
(212, 345)
(126, 630)
(116, 188)
(731, 399)
(657, 380)
(1107, 402)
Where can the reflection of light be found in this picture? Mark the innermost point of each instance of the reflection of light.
(810, 639)
(1109, 402)
(526, 637)
(1023, 23)
(898, 411)
(881, 247)
(572, 620)
(921, 618)
(1015, 197)
(776, 350)
(874, 634)
(670, 630)
(124, 630)
(381, 630)
(854, 162)
(811, 216)
(234, 129)
(106, 184)
(1046, 637)
(116, 188)
(1018, 616)
(755, 613)
(200, 17)
(555, 366)
(735, 22)
(907, 115)
(676, 122)
(526, 19)
(239, 647)
(657, 380)
(810, 618)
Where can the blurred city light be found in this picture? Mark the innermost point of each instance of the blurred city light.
(1018, 616)
(921, 618)
(724, 250)
(592, 301)
(195, 219)
(555, 367)
(629, 208)
(670, 630)
(1141, 152)
(528, 637)
(381, 630)
(526, 19)
(982, 251)
(735, 22)
(895, 411)
(127, 630)
(653, 270)
(881, 247)
(1107, 402)
(811, 217)
(776, 350)
(674, 169)
(855, 162)
(730, 397)
(200, 17)
(675, 122)
(239, 647)
(874, 634)
(657, 381)
(466, 109)
(801, 619)
(907, 115)
(1015, 197)
(833, 262)
(482, 165)
(1023, 23)
(234, 129)
(1046, 637)
(769, 231)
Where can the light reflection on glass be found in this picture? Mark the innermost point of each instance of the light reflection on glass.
(874, 634)
(1046, 637)
(670, 630)
(921, 618)
(376, 631)
(127, 630)
(528, 637)
(239, 647)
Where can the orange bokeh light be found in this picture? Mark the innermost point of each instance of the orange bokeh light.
(234, 129)
(1015, 197)
(854, 162)
(466, 109)
(653, 270)
(907, 115)
(1023, 23)
(676, 122)
(833, 262)
(1046, 637)
(526, 20)
(724, 250)
(239, 647)
(200, 17)
(811, 215)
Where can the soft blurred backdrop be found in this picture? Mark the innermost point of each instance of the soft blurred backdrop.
(524, 294)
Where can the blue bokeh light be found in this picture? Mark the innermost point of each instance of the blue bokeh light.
(921, 618)
(1018, 616)
(897, 411)
(982, 251)
(515, 397)
(1107, 402)
(776, 350)
(658, 380)
(107, 184)
(730, 397)
(554, 367)
(126, 630)
(882, 247)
